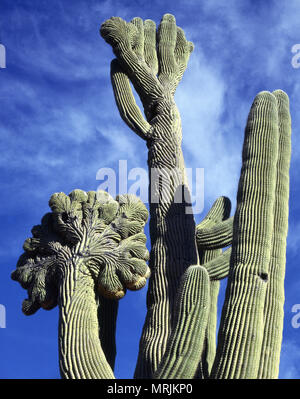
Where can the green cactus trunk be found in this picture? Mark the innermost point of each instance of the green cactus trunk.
(80, 352)
(172, 233)
(242, 322)
(271, 346)
(155, 62)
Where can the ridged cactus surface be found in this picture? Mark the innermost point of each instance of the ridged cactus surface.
(245, 316)
(217, 266)
(274, 302)
(185, 343)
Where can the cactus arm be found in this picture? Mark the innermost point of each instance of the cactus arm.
(242, 321)
(185, 343)
(219, 211)
(270, 356)
(125, 101)
(150, 54)
(125, 38)
(183, 50)
(173, 52)
(209, 346)
(216, 236)
(218, 267)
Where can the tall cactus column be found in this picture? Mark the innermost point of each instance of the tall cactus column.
(154, 63)
(271, 346)
(242, 323)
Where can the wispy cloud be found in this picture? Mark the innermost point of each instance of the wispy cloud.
(289, 361)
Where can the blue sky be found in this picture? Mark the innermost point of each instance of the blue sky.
(59, 125)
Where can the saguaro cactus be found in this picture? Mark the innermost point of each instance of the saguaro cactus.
(89, 247)
(155, 67)
(88, 251)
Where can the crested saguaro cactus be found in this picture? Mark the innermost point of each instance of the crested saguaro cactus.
(91, 248)
(155, 63)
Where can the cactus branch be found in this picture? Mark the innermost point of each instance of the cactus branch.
(218, 268)
(217, 236)
(210, 259)
(81, 353)
(126, 103)
(185, 344)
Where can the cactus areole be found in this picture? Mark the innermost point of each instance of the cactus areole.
(91, 247)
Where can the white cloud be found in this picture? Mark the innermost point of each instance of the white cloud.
(209, 143)
(289, 360)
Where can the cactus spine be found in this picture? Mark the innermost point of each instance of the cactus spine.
(88, 251)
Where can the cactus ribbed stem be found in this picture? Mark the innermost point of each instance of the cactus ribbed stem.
(185, 344)
(209, 346)
(218, 267)
(80, 352)
(216, 236)
(242, 322)
(125, 101)
(173, 249)
(210, 259)
(271, 346)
